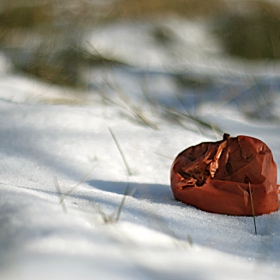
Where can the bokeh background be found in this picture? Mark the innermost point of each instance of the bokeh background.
(201, 52)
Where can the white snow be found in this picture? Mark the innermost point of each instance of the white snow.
(151, 239)
(155, 237)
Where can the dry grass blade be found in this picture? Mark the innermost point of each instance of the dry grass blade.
(72, 189)
(106, 218)
(126, 193)
(190, 240)
(198, 121)
(120, 151)
(162, 155)
(131, 107)
(115, 216)
(59, 193)
(195, 119)
(142, 117)
(253, 210)
(105, 61)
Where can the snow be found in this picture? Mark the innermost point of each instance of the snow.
(152, 238)
(48, 148)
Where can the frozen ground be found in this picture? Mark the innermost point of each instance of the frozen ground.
(47, 149)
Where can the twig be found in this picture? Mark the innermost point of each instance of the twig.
(121, 152)
(253, 210)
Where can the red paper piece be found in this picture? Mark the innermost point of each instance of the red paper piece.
(217, 177)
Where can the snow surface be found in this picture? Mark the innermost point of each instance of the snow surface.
(156, 236)
(47, 149)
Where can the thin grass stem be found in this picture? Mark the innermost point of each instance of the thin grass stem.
(73, 188)
(115, 216)
(190, 240)
(120, 151)
(59, 193)
(253, 209)
(126, 193)
(163, 155)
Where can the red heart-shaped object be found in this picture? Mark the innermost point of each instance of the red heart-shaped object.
(225, 176)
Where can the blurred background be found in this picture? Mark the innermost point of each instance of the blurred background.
(182, 54)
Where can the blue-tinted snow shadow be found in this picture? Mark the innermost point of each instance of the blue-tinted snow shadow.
(154, 206)
(157, 201)
(155, 192)
(255, 99)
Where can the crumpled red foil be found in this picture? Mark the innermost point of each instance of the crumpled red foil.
(222, 177)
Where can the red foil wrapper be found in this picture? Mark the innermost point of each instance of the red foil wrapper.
(226, 176)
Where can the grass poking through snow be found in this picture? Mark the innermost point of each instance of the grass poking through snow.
(253, 209)
(59, 194)
(115, 216)
(63, 197)
(121, 152)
